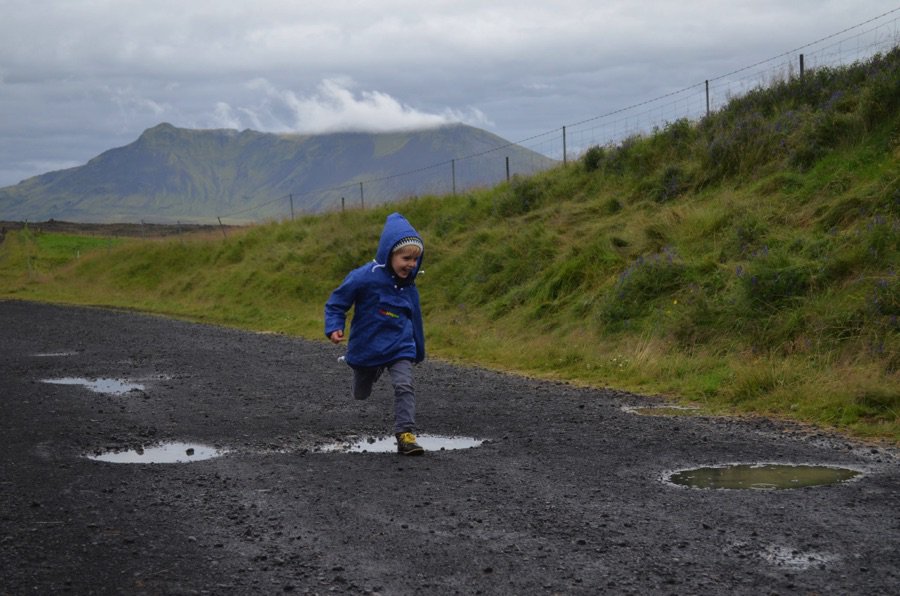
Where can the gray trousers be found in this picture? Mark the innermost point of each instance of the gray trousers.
(404, 395)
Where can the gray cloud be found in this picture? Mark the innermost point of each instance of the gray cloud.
(78, 77)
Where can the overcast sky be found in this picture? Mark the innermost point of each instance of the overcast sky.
(78, 77)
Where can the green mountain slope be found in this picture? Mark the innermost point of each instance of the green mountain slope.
(746, 263)
(171, 174)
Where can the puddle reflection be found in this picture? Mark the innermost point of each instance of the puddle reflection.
(108, 386)
(762, 476)
(389, 444)
(662, 410)
(791, 558)
(166, 453)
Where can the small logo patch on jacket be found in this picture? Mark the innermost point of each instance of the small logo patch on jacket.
(388, 313)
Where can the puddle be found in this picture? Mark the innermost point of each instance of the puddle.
(661, 410)
(109, 386)
(53, 354)
(166, 453)
(389, 444)
(761, 476)
(790, 558)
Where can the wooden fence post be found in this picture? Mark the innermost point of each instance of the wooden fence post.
(707, 98)
(453, 174)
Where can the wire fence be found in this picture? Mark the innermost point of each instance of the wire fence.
(853, 44)
(568, 142)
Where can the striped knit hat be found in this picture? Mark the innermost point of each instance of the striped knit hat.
(408, 241)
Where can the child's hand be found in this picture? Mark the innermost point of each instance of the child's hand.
(336, 336)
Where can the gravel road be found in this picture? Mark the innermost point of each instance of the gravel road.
(566, 495)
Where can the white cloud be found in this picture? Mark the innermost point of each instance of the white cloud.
(334, 107)
(129, 100)
(225, 117)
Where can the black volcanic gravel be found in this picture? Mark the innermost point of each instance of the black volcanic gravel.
(566, 495)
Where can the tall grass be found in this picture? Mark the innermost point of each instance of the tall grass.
(747, 263)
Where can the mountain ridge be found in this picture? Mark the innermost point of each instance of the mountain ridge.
(170, 173)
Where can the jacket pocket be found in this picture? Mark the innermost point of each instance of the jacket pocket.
(393, 313)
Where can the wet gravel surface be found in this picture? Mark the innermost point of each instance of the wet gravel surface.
(565, 496)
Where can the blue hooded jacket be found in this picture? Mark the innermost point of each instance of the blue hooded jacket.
(387, 318)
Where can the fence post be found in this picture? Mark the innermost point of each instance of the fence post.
(507, 168)
(801, 67)
(453, 174)
(292, 206)
(222, 226)
(707, 98)
(564, 146)
(342, 204)
(362, 200)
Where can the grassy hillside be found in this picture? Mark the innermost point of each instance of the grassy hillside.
(746, 263)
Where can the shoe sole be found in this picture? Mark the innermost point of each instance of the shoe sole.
(418, 451)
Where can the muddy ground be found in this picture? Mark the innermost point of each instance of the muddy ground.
(565, 496)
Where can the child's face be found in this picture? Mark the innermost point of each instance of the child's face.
(403, 261)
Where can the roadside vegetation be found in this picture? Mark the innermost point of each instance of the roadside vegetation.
(747, 263)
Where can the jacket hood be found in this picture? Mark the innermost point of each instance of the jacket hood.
(396, 228)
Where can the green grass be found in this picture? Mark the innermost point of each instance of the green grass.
(39, 253)
(747, 263)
